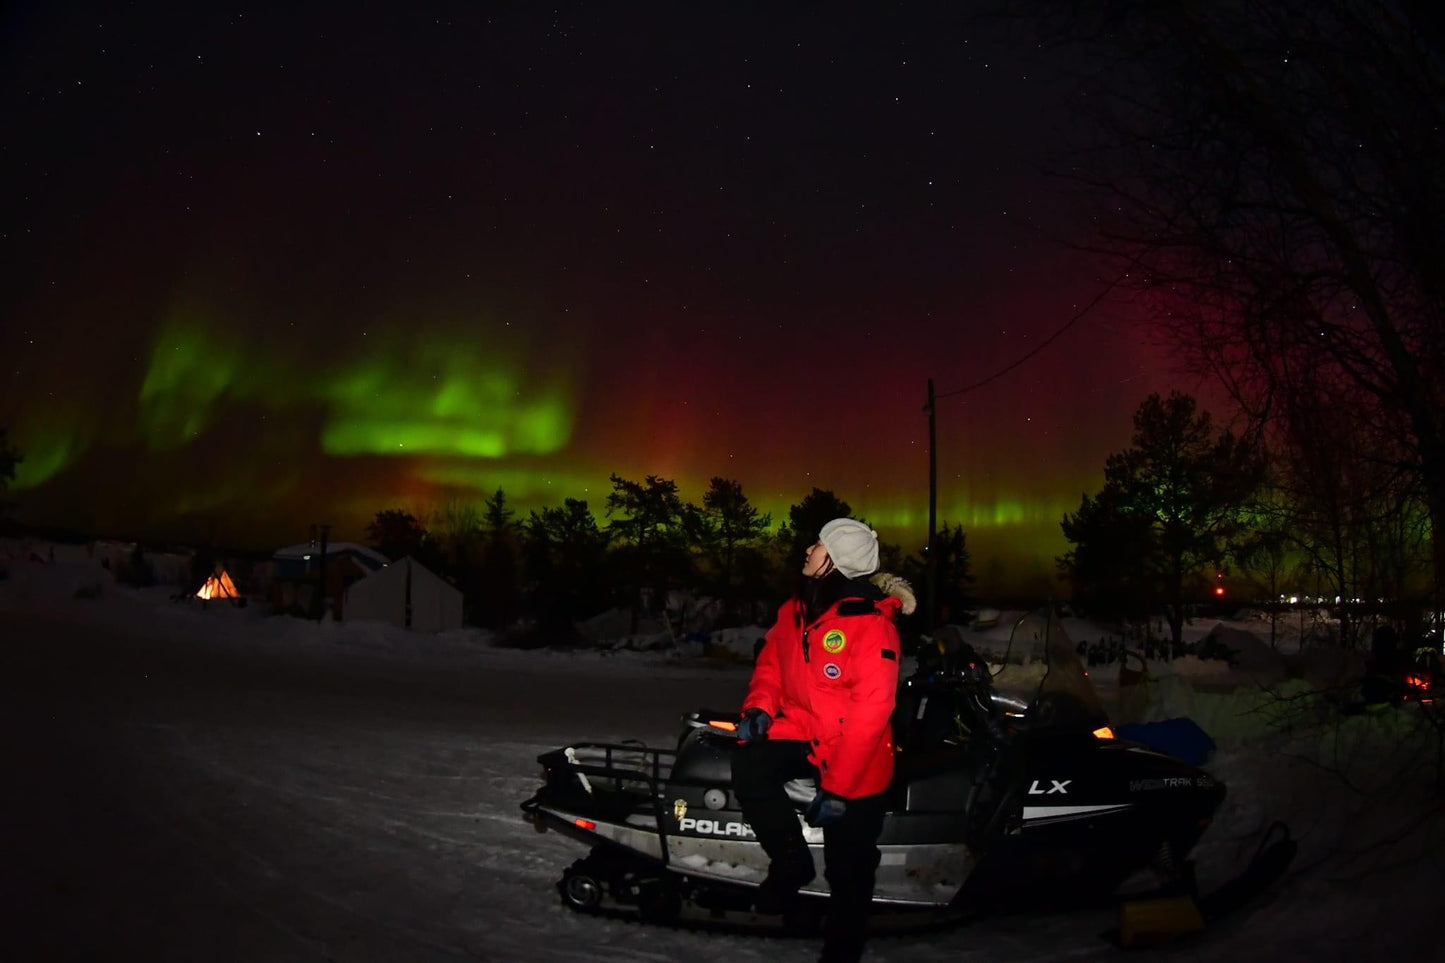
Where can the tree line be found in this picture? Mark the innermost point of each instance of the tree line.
(1187, 503)
(557, 565)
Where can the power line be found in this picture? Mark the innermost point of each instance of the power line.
(1041, 346)
(930, 592)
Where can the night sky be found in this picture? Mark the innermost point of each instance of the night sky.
(265, 268)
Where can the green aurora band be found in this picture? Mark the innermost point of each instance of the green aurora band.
(436, 398)
(51, 448)
(462, 423)
(188, 375)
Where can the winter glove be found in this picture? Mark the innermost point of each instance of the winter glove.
(826, 809)
(753, 726)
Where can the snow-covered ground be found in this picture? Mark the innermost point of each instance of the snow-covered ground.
(1360, 793)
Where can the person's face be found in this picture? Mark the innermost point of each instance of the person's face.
(814, 560)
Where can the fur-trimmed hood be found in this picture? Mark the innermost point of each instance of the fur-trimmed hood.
(898, 587)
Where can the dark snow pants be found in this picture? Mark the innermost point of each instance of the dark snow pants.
(760, 770)
(850, 847)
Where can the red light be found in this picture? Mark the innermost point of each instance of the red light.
(1219, 590)
(586, 824)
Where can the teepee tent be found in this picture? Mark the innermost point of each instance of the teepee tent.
(218, 586)
(408, 595)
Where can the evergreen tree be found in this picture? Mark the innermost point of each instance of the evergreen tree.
(1170, 512)
(1105, 567)
(496, 516)
(647, 522)
(565, 563)
(728, 524)
(500, 581)
(805, 519)
(954, 573)
(396, 534)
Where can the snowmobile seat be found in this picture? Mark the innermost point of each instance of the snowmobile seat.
(710, 762)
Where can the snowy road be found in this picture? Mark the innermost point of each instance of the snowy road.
(186, 801)
(184, 805)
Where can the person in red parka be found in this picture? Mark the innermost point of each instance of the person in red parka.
(818, 707)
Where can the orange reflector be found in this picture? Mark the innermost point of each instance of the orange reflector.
(586, 824)
(724, 726)
(1103, 732)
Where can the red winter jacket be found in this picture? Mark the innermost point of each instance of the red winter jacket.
(833, 684)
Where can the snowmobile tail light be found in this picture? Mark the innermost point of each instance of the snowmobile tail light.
(586, 824)
(724, 725)
(1103, 732)
(1415, 682)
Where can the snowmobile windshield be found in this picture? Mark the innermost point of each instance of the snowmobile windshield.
(1051, 682)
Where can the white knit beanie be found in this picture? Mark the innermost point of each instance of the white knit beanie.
(852, 546)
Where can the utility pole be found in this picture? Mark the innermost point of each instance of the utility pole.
(321, 576)
(930, 565)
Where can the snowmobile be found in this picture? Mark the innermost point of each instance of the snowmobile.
(1401, 682)
(1010, 792)
(1422, 682)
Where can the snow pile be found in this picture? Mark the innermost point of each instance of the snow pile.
(48, 585)
(1246, 652)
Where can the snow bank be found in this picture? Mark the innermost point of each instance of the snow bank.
(51, 585)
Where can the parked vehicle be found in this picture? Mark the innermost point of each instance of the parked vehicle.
(1010, 792)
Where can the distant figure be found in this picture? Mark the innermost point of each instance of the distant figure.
(1382, 668)
(1384, 651)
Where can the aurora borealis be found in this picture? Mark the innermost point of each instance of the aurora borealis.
(266, 268)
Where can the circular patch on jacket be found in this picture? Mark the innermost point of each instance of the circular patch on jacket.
(834, 641)
(832, 671)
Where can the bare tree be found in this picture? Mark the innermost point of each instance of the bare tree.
(1352, 517)
(1274, 180)
(457, 527)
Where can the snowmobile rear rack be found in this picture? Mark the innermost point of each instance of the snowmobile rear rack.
(606, 781)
